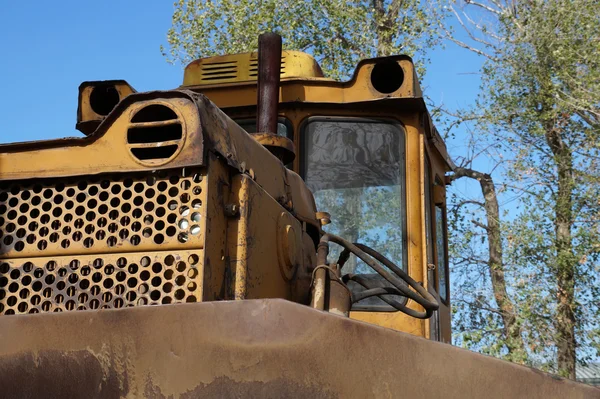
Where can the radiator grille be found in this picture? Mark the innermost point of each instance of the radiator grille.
(101, 214)
(91, 282)
(95, 242)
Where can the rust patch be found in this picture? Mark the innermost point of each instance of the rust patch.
(225, 387)
(57, 374)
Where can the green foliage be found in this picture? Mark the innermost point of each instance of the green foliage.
(538, 116)
(337, 32)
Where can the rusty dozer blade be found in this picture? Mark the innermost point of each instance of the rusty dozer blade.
(246, 349)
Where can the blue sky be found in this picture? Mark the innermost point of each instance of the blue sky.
(49, 48)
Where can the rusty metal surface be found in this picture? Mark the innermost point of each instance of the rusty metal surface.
(102, 242)
(282, 147)
(89, 112)
(265, 245)
(81, 282)
(269, 66)
(250, 349)
(203, 125)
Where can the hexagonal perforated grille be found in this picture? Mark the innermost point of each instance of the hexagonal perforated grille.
(90, 282)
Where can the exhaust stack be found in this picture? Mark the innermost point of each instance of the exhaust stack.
(269, 70)
(269, 67)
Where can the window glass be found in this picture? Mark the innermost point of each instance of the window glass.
(428, 219)
(355, 169)
(441, 250)
(434, 321)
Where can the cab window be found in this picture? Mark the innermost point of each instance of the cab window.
(356, 170)
(440, 233)
(429, 234)
(428, 219)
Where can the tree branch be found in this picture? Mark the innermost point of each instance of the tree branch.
(483, 226)
(485, 7)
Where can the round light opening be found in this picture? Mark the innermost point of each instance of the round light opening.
(103, 99)
(387, 77)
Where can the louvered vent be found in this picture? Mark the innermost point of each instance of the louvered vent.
(155, 135)
(219, 71)
(253, 71)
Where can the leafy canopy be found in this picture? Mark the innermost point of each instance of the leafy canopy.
(338, 33)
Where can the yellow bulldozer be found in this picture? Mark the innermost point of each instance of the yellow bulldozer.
(291, 230)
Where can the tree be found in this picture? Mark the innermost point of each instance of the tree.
(510, 333)
(539, 107)
(337, 32)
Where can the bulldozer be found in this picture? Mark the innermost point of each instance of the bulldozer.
(261, 231)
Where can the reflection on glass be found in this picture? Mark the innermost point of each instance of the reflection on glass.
(441, 250)
(434, 321)
(356, 171)
(428, 222)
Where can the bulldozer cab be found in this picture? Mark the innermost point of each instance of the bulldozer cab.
(369, 153)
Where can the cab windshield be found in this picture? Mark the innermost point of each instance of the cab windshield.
(356, 171)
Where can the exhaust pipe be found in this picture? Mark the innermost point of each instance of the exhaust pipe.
(269, 70)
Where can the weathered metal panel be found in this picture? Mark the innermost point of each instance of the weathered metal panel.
(250, 349)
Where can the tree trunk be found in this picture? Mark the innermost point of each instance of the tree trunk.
(386, 26)
(512, 331)
(566, 263)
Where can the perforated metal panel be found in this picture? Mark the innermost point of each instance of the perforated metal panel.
(94, 282)
(101, 241)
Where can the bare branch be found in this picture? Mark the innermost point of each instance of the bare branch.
(485, 7)
(471, 35)
(466, 46)
(483, 226)
(468, 202)
(482, 28)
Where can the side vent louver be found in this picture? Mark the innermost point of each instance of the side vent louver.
(253, 71)
(219, 70)
(155, 135)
